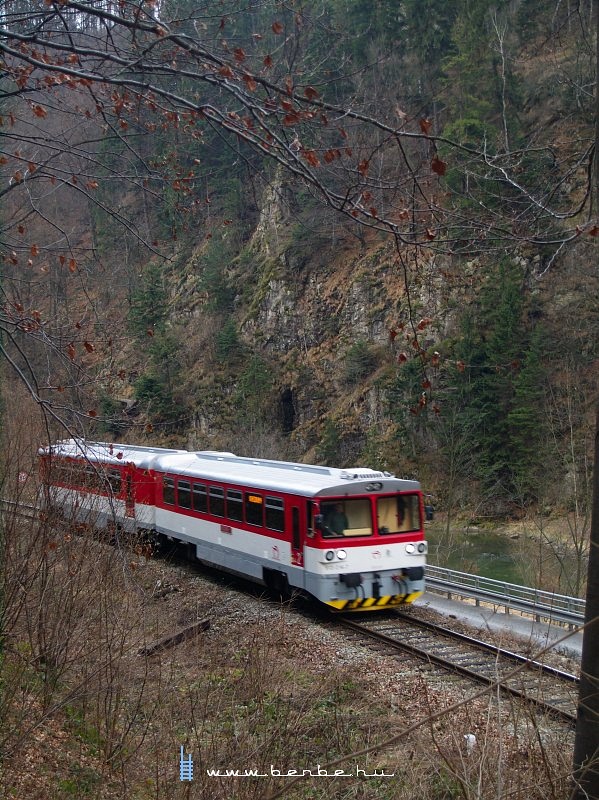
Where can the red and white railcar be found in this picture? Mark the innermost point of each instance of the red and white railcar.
(351, 538)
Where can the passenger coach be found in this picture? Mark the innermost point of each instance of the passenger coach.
(351, 538)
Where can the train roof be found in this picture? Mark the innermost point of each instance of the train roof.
(283, 476)
(109, 452)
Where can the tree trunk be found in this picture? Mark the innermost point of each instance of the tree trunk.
(586, 746)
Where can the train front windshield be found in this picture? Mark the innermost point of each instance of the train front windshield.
(398, 514)
(352, 517)
(346, 518)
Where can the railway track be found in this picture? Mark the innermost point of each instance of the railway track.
(552, 691)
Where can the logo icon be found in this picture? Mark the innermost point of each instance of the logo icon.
(185, 767)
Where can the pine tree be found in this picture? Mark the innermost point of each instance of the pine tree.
(148, 310)
(489, 357)
(527, 432)
(503, 350)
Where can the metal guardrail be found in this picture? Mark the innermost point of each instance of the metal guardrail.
(541, 605)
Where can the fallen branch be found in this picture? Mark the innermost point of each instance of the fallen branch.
(176, 638)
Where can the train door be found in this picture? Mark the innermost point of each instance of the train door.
(297, 543)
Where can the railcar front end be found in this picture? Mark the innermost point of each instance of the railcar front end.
(367, 552)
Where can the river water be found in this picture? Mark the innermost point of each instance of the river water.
(524, 559)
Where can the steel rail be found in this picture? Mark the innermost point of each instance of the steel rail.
(482, 645)
(397, 639)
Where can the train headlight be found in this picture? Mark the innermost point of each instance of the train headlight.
(329, 555)
(410, 548)
(422, 547)
(341, 555)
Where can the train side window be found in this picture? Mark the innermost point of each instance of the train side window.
(234, 505)
(114, 479)
(94, 478)
(275, 516)
(63, 473)
(200, 498)
(88, 479)
(168, 491)
(77, 475)
(71, 475)
(254, 505)
(217, 501)
(184, 494)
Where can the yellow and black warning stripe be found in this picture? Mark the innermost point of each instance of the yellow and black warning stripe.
(373, 603)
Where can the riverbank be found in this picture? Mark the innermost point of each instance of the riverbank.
(547, 552)
(563, 528)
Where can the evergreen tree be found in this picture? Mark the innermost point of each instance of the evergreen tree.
(368, 21)
(360, 361)
(470, 88)
(478, 91)
(154, 394)
(503, 349)
(147, 320)
(498, 388)
(526, 421)
(227, 343)
(428, 25)
(253, 394)
(148, 310)
(213, 278)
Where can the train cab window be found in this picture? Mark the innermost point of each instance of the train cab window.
(254, 509)
(234, 505)
(398, 514)
(168, 491)
(274, 514)
(184, 494)
(346, 518)
(217, 501)
(200, 498)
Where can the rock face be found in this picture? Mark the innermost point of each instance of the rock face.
(273, 217)
(326, 344)
(329, 318)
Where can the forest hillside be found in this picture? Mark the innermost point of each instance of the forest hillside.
(331, 292)
(349, 232)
